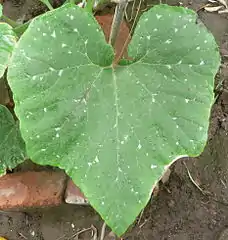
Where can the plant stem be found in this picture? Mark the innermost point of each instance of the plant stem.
(47, 3)
(9, 21)
(117, 20)
(21, 29)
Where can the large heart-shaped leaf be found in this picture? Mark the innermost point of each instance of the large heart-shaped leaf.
(114, 129)
(7, 42)
(12, 146)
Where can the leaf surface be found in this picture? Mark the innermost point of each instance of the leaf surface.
(12, 147)
(7, 42)
(114, 130)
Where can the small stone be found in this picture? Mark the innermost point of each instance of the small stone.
(171, 203)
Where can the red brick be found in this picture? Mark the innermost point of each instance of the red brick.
(73, 194)
(31, 189)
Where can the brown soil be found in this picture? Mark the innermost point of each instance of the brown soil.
(180, 211)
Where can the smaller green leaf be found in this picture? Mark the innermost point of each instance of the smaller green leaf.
(12, 146)
(7, 42)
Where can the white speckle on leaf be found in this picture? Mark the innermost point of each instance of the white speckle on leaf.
(120, 170)
(28, 58)
(125, 137)
(122, 142)
(198, 48)
(165, 76)
(200, 128)
(152, 166)
(177, 126)
(175, 30)
(174, 118)
(33, 233)
(63, 45)
(158, 16)
(51, 69)
(187, 100)
(179, 62)
(72, 225)
(69, 52)
(155, 30)
(57, 135)
(43, 149)
(71, 17)
(146, 19)
(86, 41)
(75, 30)
(190, 65)
(102, 203)
(205, 41)
(34, 78)
(60, 72)
(202, 62)
(53, 34)
(38, 29)
(57, 129)
(45, 109)
(153, 100)
(139, 146)
(147, 154)
(168, 66)
(96, 159)
(185, 79)
(177, 143)
(90, 164)
(44, 34)
(191, 140)
(37, 136)
(57, 156)
(168, 41)
(148, 37)
(185, 26)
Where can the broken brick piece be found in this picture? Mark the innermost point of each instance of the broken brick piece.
(73, 194)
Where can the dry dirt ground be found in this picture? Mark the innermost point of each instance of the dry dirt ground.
(180, 211)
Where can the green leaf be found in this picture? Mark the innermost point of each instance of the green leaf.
(7, 42)
(12, 147)
(114, 130)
